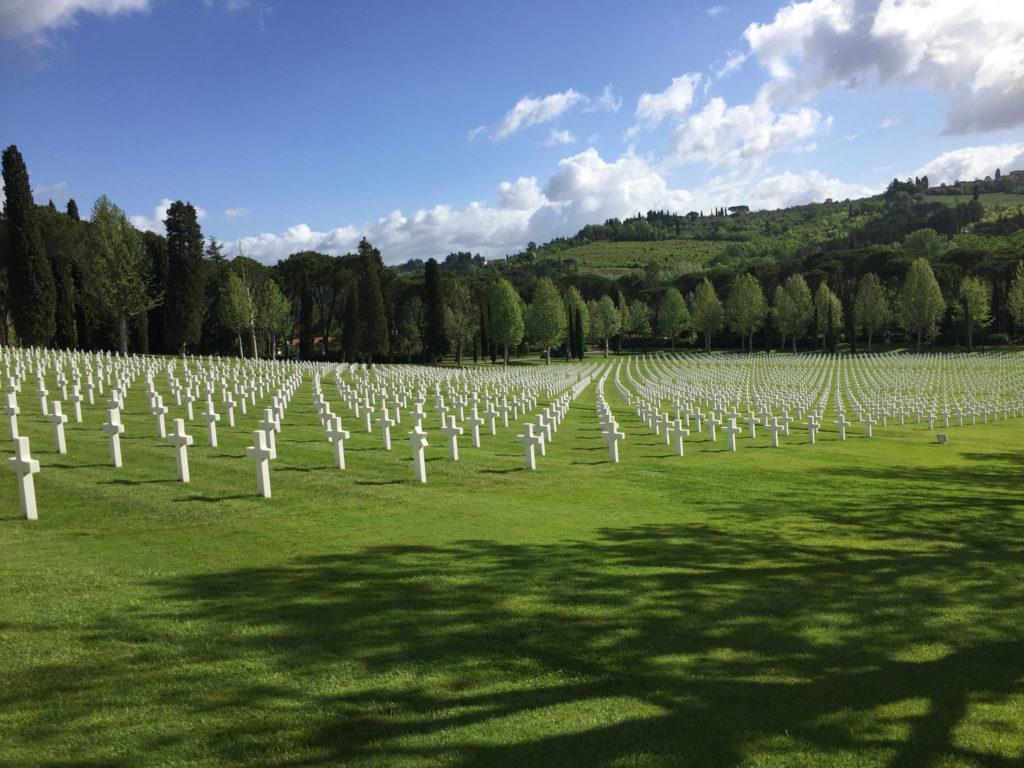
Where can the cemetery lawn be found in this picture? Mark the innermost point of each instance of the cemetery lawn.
(855, 603)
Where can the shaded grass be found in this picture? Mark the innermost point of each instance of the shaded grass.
(854, 603)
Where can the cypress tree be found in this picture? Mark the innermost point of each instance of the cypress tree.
(186, 278)
(33, 293)
(73, 209)
(435, 344)
(373, 321)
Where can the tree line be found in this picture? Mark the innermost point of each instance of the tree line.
(98, 283)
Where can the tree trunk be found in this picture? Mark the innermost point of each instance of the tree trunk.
(707, 341)
(794, 343)
(919, 342)
(241, 354)
(548, 355)
(869, 339)
(606, 348)
(255, 351)
(506, 355)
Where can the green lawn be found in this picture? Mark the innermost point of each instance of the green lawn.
(855, 603)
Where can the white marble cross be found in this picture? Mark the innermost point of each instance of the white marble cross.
(25, 466)
(385, 422)
(418, 441)
(338, 436)
(611, 436)
(529, 440)
(268, 425)
(731, 430)
(211, 418)
(842, 423)
(180, 441)
(775, 428)
(12, 410)
(58, 419)
(259, 452)
(453, 432)
(678, 432)
(158, 409)
(475, 422)
(113, 428)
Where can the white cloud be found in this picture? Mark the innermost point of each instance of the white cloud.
(156, 223)
(585, 189)
(531, 111)
(734, 62)
(653, 108)
(236, 213)
(475, 132)
(608, 100)
(31, 18)
(974, 52)
(559, 137)
(716, 10)
(969, 163)
(889, 122)
(788, 189)
(720, 134)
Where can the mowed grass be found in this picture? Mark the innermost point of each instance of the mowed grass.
(853, 603)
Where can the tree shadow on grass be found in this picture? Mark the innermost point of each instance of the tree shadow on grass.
(669, 644)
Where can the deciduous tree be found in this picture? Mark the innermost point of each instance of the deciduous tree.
(921, 305)
(706, 311)
(673, 316)
(546, 319)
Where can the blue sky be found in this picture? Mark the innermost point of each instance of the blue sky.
(432, 127)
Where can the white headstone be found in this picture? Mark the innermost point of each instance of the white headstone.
(25, 466)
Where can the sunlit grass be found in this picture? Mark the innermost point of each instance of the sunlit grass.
(855, 603)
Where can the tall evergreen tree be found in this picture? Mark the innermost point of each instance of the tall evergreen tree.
(33, 292)
(373, 321)
(186, 277)
(435, 344)
(73, 209)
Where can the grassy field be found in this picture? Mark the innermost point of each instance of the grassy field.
(613, 259)
(856, 603)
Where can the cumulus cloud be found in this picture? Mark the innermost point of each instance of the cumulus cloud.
(32, 18)
(531, 111)
(156, 222)
(584, 189)
(973, 163)
(788, 189)
(720, 134)
(974, 52)
(653, 108)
